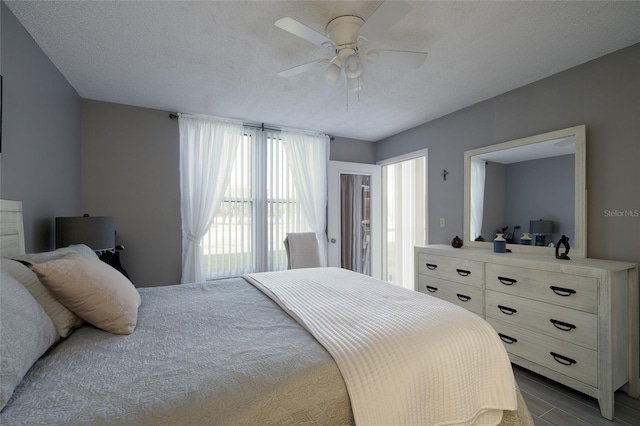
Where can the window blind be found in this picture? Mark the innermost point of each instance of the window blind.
(403, 218)
(260, 207)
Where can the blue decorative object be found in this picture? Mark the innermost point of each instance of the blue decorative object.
(525, 240)
(499, 244)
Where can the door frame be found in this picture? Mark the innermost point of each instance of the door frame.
(336, 169)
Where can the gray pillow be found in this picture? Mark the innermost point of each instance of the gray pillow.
(34, 258)
(27, 333)
(64, 320)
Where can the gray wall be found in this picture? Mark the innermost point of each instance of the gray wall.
(352, 150)
(517, 193)
(541, 189)
(603, 94)
(130, 170)
(41, 113)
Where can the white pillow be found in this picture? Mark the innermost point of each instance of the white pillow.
(64, 320)
(95, 291)
(27, 333)
(33, 258)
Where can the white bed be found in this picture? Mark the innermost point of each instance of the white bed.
(241, 352)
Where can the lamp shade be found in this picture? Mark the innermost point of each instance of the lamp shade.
(332, 73)
(97, 232)
(541, 227)
(353, 66)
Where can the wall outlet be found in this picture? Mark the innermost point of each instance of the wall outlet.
(442, 222)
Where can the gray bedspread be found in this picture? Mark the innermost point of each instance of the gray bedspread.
(229, 355)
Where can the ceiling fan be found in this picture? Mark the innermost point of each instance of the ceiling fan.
(346, 36)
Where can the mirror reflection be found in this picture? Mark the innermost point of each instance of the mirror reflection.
(355, 222)
(531, 190)
(525, 193)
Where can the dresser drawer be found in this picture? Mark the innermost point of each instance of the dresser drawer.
(448, 268)
(565, 358)
(560, 322)
(572, 291)
(466, 296)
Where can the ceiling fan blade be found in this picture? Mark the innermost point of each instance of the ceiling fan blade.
(302, 31)
(303, 68)
(401, 58)
(383, 18)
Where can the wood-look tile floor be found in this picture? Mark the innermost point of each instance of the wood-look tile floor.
(551, 403)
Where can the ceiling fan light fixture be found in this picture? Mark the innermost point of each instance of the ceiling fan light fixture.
(372, 56)
(346, 36)
(355, 84)
(332, 73)
(353, 67)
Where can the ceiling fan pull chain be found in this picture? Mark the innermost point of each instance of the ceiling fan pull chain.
(347, 92)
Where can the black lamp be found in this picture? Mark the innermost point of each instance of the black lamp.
(541, 228)
(97, 232)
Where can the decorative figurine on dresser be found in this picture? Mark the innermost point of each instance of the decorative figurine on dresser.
(564, 242)
(576, 322)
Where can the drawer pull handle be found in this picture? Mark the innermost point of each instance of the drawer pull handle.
(565, 292)
(507, 339)
(506, 310)
(432, 289)
(507, 281)
(564, 360)
(463, 273)
(463, 297)
(560, 325)
(431, 266)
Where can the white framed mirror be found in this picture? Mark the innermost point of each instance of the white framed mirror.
(535, 186)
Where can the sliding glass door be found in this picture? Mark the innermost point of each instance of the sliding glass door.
(404, 216)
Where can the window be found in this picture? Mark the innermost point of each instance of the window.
(260, 207)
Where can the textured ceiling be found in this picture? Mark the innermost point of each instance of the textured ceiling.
(221, 57)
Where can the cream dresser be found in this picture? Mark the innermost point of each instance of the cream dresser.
(573, 321)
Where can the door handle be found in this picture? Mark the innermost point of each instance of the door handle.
(332, 240)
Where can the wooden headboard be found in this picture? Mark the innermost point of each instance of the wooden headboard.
(11, 228)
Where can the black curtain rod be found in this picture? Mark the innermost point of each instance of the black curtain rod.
(255, 126)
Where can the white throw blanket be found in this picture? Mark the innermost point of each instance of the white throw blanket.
(406, 357)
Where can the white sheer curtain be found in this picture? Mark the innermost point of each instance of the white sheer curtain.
(207, 153)
(478, 170)
(308, 159)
